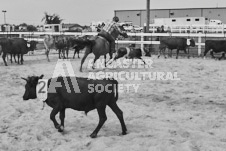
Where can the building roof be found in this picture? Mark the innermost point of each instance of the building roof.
(173, 9)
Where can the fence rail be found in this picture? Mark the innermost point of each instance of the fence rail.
(38, 36)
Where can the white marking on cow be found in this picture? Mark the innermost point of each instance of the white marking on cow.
(28, 45)
(188, 42)
(41, 89)
(127, 52)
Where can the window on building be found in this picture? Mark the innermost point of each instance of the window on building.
(173, 20)
(188, 19)
(197, 19)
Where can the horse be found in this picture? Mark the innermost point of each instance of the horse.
(99, 46)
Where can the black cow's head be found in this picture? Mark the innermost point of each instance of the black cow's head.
(32, 45)
(191, 42)
(123, 32)
(30, 87)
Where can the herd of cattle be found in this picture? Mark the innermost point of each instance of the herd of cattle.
(18, 47)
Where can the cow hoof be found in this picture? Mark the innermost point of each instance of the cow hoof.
(124, 133)
(60, 128)
(93, 135)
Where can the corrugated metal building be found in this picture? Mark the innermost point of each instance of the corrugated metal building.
(138, 17)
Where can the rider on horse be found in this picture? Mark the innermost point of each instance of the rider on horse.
(107, 30)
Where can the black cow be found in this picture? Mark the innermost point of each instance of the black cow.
(77, 50)
(14, 46)
(77, 47)
(31, 46)
(62, 44)
(129, 53)
(175, 43)
(87, 100)
(216, 46)
(6, 47)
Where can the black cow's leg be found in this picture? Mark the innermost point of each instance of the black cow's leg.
(222, 56)
(164, 53)
(63, 53)
(78, 53)
(67, 51)
(211, 53)
(74, 54)
(171, 53)
(59, 52)
(14, 56)
(18, 57)
(159, 53)
(52, 117)
(119, 114)
(102, 119)
(177, 53)
(188, 54)
(11, 58)
(22, 60)
(3, 57)
(62, 116)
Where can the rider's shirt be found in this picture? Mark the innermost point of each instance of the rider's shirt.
(109, 26)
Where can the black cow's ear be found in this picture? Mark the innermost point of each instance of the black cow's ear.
(24, 78)
(41, 76)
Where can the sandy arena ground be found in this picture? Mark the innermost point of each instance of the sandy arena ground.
(185, 115)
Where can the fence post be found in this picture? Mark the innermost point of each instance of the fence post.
(199, 46)
(142, 45)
